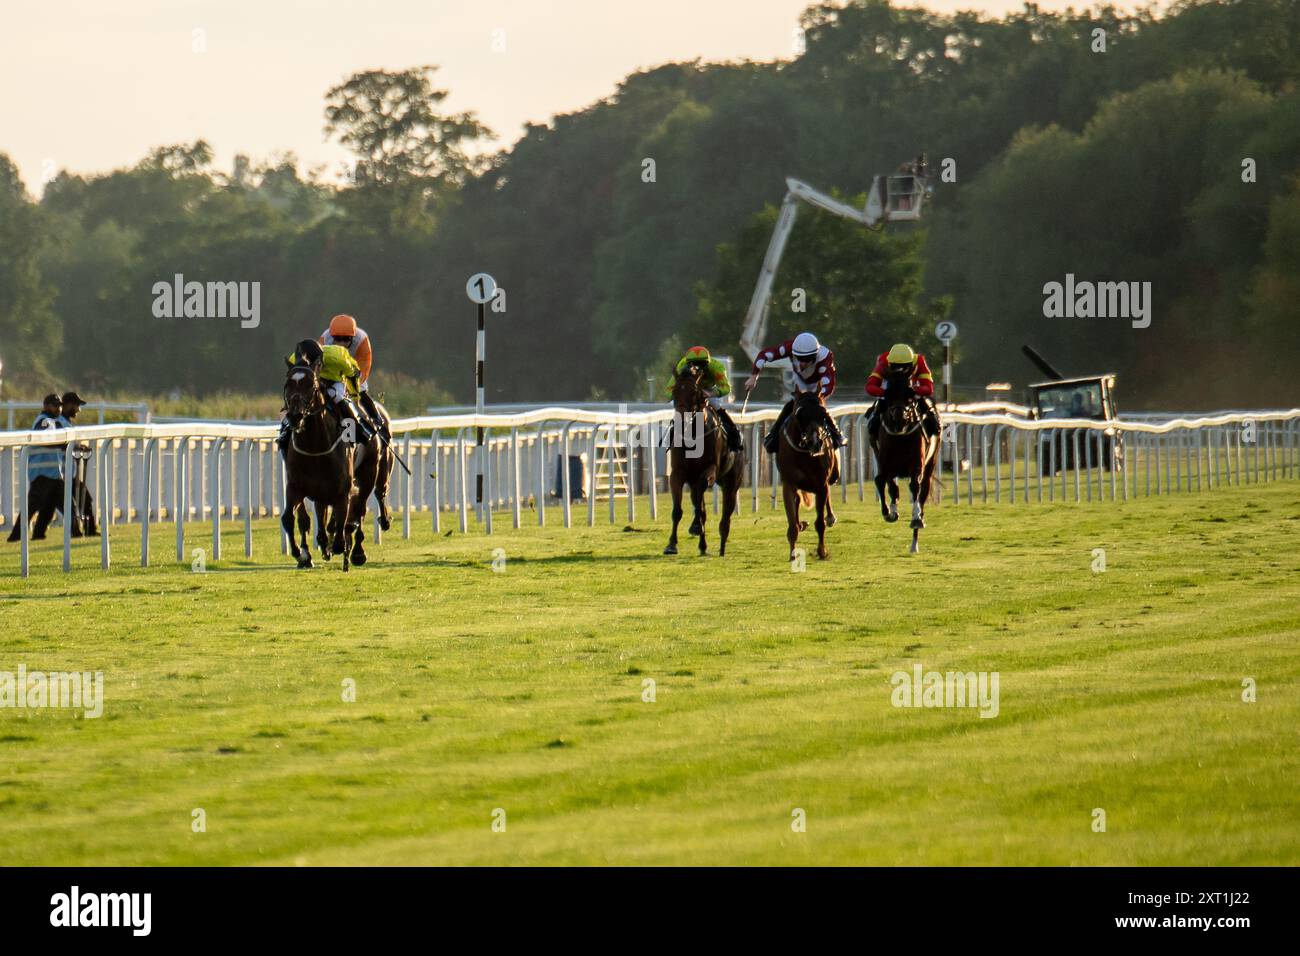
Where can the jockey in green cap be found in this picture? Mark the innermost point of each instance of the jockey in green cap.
(718, 385)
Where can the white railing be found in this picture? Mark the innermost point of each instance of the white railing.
(206, 471)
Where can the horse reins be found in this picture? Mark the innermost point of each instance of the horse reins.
(311, 412)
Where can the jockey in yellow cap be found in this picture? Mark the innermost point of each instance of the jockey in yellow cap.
(899, 360)
(717, 384)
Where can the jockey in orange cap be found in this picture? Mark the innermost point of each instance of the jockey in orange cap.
(343, 330)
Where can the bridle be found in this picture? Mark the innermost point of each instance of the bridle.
(691, 398)
(811, 441)
(900, 417)
(299, 408)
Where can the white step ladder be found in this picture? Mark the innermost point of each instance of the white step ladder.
(611, 471)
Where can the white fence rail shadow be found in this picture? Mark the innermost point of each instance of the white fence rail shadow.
(547, 461)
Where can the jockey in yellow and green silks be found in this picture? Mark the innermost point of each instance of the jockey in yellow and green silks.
(716, 383)
(340, 380)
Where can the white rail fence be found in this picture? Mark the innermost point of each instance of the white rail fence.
(199, 472)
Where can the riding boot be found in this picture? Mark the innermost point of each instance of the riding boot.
(837, 437)
(772, 439)
(282, 440)
(377, 420)
(734, 440)
(932, 425)
(873, 423)
(348, 410)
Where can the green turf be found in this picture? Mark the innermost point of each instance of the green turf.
(522, 690)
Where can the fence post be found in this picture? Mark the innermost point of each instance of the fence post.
(591, 482)
(104, 448)
(565, 478)
(181, 502)
(147, 455)
(23, 548)
(69, 471)
(215, 493)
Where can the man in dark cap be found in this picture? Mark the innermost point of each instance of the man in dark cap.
(83, 506)
(45, 472)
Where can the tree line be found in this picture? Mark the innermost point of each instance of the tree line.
(1169, 156)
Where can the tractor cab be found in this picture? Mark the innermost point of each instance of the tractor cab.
(1092, 397)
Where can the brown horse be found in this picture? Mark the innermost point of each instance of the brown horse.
(372, 471)
(318, 464)
(903, 449)
(806, 459)
(700, 458)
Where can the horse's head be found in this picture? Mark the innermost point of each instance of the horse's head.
(902, 412)
(302, 395)
(809, 422)
(689, 391)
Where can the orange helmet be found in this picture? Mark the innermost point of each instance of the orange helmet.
(343, 327)
(697, 353)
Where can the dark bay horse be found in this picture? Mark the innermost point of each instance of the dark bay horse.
(806, 459)
(903, 449)
(700, 458)
(318, 464)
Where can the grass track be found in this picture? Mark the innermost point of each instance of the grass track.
(522, 690)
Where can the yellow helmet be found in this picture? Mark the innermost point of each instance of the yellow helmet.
(901, 354)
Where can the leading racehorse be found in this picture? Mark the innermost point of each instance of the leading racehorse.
(318, 464)
(705, 462)
(903, 449)
(806, 459)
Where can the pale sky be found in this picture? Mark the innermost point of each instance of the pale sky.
(92, 85)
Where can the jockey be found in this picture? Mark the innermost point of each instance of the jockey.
(898, 360)
(716, 384)
(340, 375)
(343, 330)
(814, 371)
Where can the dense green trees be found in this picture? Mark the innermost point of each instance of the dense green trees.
(1118, 165)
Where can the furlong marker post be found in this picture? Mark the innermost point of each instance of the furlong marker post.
(480, 288)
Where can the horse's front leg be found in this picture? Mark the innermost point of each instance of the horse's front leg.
(304, 530)
(675, 486)
(342, 524)
(356, 529)
(701, 516)
(880, 493)
(324, 521)
(893, 499)
(918, 506)
(823, 496)
(292, 504)
(791, 498)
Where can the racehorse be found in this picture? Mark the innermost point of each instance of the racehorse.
(903, 449)
(806, 460)
(708, 462)
(372, 469)
(318, 464)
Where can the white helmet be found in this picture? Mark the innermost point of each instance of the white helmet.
(805, 345)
